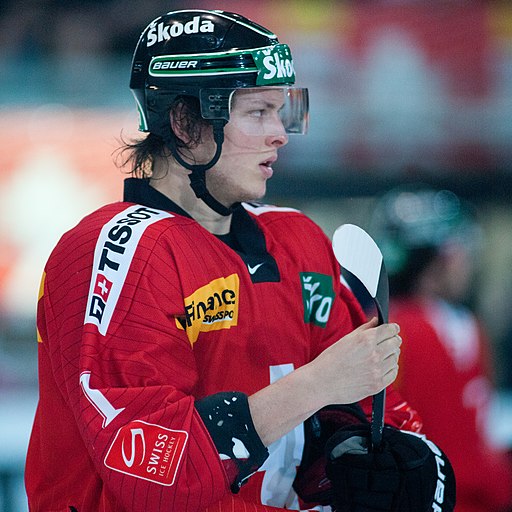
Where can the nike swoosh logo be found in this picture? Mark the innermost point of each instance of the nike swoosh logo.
(252, 270)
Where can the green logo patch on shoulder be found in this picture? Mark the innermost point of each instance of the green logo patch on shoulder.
(317, 297)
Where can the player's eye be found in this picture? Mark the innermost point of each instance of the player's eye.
(257, 112)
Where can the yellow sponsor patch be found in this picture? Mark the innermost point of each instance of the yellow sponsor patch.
(211, 307)
(41, 286)
(39, 297)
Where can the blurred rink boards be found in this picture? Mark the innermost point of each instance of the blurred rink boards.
(57, 165)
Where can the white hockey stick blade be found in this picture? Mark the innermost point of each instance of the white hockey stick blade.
(357, 252)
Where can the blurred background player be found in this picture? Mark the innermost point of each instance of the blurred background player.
(430, 241)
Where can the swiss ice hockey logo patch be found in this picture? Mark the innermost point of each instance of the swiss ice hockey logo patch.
(147, 451)
(317, 297)
(113, 255)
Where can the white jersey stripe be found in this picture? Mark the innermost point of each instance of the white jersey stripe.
(265, 208)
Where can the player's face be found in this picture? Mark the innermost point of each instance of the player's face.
(252, 138)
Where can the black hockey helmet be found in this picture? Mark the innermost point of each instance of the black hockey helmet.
(413, 223)
(209, 55)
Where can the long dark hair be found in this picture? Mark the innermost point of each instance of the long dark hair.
(140, 154)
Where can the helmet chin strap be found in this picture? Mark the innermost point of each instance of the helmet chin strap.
(198, 175)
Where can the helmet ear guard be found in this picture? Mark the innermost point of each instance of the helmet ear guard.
(215, 103)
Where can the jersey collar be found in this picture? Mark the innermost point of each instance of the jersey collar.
(137, 190)
(246, 237)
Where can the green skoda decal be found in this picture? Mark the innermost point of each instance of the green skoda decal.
(317, 297)
(273, 64)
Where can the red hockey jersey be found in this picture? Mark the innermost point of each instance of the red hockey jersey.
(444, 376)
(141, 312)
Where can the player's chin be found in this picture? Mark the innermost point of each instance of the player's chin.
(256, 193)
(253, 192)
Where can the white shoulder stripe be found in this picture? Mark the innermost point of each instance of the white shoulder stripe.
(113, 255)
(265, 208)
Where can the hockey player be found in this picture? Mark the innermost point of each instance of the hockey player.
(194, 345)
(429, 240)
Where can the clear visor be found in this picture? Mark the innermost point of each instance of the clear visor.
(271, 110)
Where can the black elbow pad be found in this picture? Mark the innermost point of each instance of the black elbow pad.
(228, 419)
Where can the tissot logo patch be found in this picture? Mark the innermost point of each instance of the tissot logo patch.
(113, 255)
(147, 451)
(211, 307)
(317, 297)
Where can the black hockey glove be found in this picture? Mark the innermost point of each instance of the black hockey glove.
(311, 483)
(408, 474)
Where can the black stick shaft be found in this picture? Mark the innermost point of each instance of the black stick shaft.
(379, 400)
(377, 426)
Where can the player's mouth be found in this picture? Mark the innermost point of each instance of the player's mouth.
(266, 167)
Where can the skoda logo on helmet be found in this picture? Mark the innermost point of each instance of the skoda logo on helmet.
(277, 66)
(162, 32)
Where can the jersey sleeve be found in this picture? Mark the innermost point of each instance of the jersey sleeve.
(134, 405)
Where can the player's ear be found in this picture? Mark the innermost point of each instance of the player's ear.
(179, 117)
